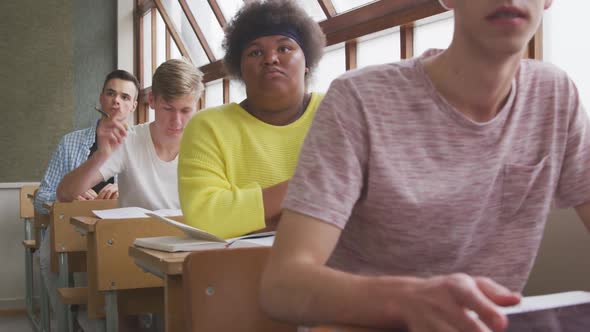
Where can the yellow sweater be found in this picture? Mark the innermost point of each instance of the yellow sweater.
(226, 157)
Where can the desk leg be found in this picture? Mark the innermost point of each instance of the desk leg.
(62, 311)
(29, 288)
(44, 305)
(173, 303)
(28, 270)
(112, 311)
(29, 280)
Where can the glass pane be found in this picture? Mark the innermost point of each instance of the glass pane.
(214, 93)
(332, 65)
(313, 9)
(151, 115)
(563, 44)
(160, 39)
(433, 32)
(377, 48)
(346, 5)
(237, 91)
(184, 29)
(147, 49)
(229, 8)
(209, 25)
(174, 51)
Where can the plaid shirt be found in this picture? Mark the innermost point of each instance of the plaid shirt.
(71, 152)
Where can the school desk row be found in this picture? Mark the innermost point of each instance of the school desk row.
(212, 290)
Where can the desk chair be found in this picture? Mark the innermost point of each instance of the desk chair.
(221, 291)
(27, 214)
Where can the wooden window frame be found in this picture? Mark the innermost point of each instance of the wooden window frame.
(345, 27)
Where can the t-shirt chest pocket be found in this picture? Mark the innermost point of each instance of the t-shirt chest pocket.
(524, 187)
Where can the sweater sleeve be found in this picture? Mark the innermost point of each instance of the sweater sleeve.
(209, 201)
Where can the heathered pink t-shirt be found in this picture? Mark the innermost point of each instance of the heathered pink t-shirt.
(419, 189)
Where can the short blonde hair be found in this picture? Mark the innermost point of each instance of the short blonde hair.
(175, 78)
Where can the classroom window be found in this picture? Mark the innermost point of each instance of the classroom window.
(331, 66)
(237, 91)
(433, 32)
(147, 49)
(185, 30)
(208, 24)
(230, 7)
(151, 114)
(377, 48)
(214, 93)
(565, 49)
(346, 5)
(174, 51)
(313, 9)
(160, 39)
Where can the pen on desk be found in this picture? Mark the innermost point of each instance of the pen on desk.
(105, 114)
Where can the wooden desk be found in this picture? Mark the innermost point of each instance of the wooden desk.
(115, 283)
(68, 247)
(40, 223)
(168, 267)
(26, 195)
(27, 215)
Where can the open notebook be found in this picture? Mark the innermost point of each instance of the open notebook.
(176, 243)
(195, 239)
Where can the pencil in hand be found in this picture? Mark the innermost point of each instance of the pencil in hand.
(106, 115)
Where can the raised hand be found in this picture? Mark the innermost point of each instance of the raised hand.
(111, 133)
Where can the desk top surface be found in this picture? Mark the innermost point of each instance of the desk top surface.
(86, 224)
(158, 262)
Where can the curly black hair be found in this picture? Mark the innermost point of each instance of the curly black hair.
(259, 16)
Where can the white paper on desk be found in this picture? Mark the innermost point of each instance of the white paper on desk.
(549, 301)
(169, 212)
(133, 212)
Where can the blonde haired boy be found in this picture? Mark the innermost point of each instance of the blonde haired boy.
(145, 157)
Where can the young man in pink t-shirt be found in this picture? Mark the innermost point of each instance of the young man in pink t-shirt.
(423, 187)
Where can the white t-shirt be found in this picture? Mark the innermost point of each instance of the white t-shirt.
(144, 179)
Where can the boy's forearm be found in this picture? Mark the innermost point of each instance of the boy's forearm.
(272, 199)
(81, 179)
(321, 295)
